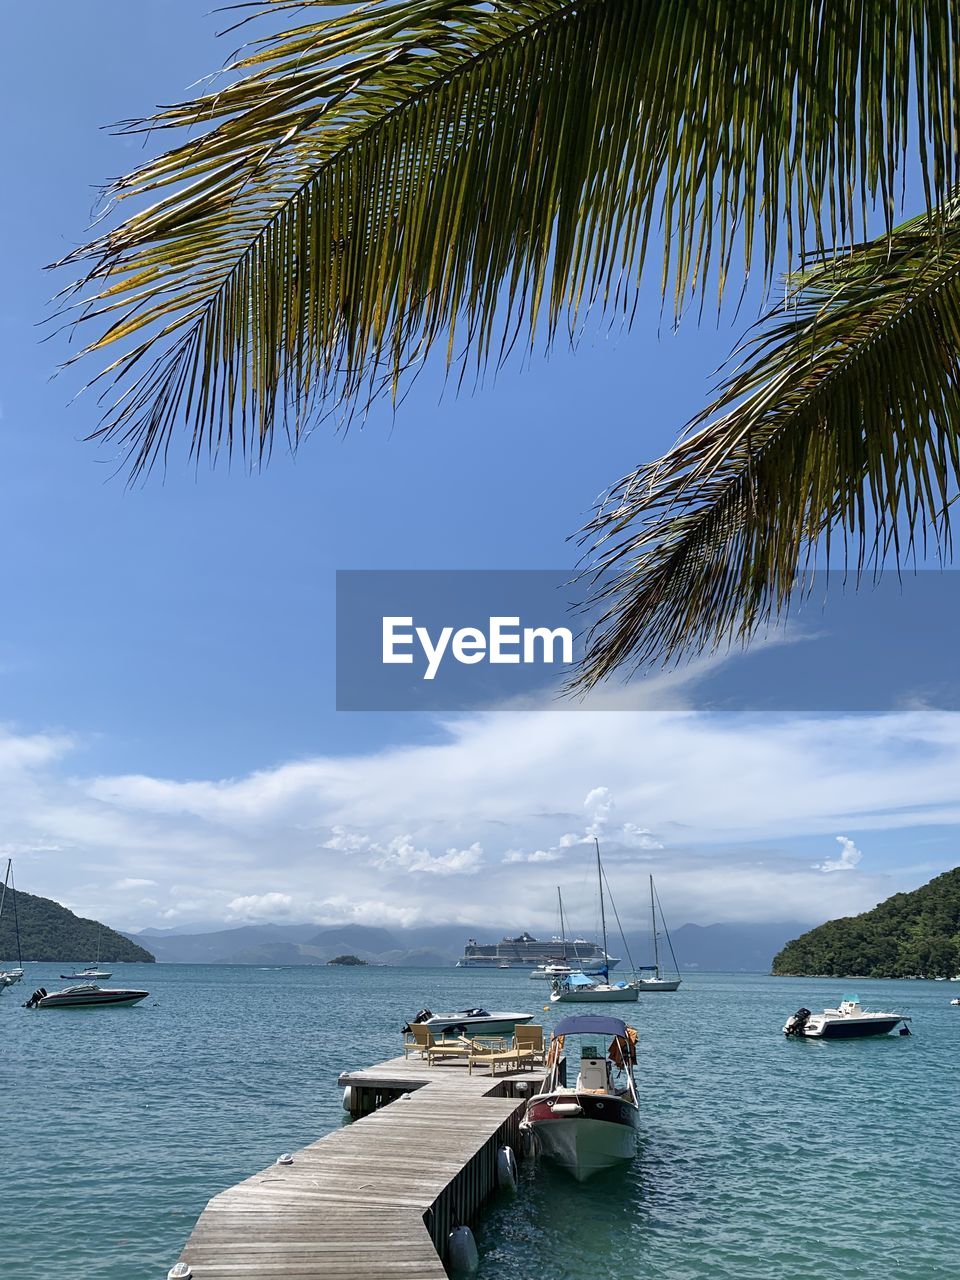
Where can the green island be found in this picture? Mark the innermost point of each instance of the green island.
(910, 935)
(346, 960)
(49, 931)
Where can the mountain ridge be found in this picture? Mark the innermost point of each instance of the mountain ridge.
(50, 931)
(908, 935)
(710, 948)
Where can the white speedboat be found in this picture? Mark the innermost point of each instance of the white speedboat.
(847, 1022)
(472, 1022)
(85, 995)
(590, 1124)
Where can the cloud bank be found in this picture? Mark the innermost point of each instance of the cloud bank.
(735, 816)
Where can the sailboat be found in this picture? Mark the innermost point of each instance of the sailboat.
(92, 971)
(658, 982)
(582, 988)
(8, 977)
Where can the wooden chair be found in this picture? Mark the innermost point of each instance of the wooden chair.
(530, 1038)
(515, 1058)
(449, 1050)
(417, 1040)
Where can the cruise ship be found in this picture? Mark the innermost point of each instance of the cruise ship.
(527, 952)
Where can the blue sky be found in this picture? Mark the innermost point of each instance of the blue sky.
(181, 634)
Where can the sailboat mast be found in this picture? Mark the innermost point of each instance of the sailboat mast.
(653, 925)
(16, 917)
(603, 918)
(3, 895)
(563, 930)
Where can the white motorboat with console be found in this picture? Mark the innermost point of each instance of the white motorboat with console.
(472, 1022)
(85, 995)
(847, 1022)
(591, 1124)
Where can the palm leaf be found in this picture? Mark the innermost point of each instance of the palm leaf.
(367, 184)
(841, 423)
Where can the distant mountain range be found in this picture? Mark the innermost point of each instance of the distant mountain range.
(747, 948)
(49, 931)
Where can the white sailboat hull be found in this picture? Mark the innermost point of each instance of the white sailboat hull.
(657, 984)
(595, 995)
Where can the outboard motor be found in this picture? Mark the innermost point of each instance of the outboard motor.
(35, 999)
(423, 1016)
(796, 1023)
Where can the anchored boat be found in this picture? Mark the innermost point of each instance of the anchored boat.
(582, 988)
(591, 1123)
(83, 996)
(657, 982)
(847, 1022)
(10, 977)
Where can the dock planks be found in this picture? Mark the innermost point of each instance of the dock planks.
(376, 1198)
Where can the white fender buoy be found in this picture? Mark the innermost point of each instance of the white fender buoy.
(462, 1252)
(506, 1169)
(348, 1098)
(286, 1158)
(179, 1271)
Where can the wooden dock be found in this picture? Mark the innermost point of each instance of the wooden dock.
(379, 1197)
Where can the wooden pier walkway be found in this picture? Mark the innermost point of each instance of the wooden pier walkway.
(377, 1198)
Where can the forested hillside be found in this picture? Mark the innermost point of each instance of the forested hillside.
(910, 935)
(51, 932)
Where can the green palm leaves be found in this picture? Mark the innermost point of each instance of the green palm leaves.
(842, 421)
(366, 186)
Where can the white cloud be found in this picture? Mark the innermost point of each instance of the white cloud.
(849, 857)
(705, 803)
(539, 855)
(261, 906)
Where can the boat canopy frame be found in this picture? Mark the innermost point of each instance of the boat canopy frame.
(584, 1024)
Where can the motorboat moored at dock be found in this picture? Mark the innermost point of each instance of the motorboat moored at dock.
(591, 1124)
(85, 995)
(849, 1021)
(472, 1022)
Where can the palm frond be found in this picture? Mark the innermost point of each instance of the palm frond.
(366, 185)
(843, 422)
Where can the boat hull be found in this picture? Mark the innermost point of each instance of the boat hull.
(851, 1029)
(602, 1136)
(584, 995)
(90, 1000)
(657, 984)
(496, 1023)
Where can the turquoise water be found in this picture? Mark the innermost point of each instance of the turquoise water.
(760, 1157)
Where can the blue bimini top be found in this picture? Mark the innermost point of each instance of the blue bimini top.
(585, 1024)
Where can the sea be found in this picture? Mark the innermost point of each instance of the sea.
(760, 1158)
